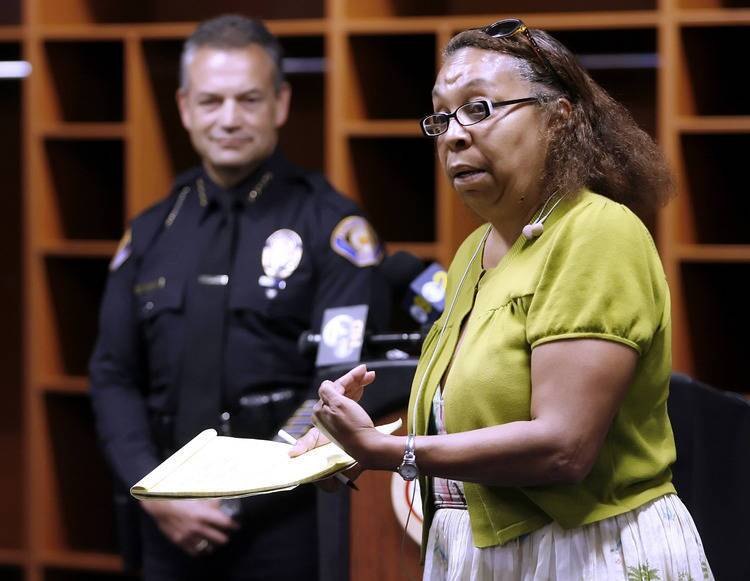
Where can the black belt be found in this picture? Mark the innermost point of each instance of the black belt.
(260, 415)
(256, 415)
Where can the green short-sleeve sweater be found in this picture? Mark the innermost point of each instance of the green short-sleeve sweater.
(593, 273)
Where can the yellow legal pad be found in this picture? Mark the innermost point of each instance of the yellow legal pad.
(213, 466)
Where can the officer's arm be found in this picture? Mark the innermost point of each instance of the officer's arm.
(117, 374)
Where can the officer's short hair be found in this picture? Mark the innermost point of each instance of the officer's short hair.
(227, 32)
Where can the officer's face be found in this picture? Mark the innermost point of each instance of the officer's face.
(231, 109)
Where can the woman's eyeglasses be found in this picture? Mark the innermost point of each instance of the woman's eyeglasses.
(467, 114)
(512, 26)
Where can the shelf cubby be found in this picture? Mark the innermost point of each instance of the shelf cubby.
(303, 137)
(75, 287)
(165, 134)
(12, 490)
(400, 201)
(716, 321)
(80, 515)
(97, 93)
(116, 11)
(714, 201)
(85, 180)
(9, 51)
(390, 76)
(10, 12)
(708, 57)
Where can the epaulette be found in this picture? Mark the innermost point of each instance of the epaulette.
(317, 181)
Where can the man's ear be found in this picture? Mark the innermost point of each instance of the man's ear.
(181, 96)
(283, 99)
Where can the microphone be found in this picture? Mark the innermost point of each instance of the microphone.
(308, 341)
(344, 334)
(423, 288)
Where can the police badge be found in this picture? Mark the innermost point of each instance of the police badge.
(281, 256)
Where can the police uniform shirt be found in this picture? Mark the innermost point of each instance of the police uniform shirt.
(301, 248)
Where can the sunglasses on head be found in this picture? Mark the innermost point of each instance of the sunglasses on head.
(512, 26)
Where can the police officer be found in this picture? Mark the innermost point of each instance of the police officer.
(206, 298)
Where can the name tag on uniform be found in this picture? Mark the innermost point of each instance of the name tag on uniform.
(214, 279)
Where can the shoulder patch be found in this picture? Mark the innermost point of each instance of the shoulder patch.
(124, 250)
(354, 239)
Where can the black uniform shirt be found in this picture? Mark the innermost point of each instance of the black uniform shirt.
(301, 248)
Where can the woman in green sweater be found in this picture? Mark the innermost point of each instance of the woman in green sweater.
(538, 419)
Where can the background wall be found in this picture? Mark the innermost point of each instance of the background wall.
(93, 137)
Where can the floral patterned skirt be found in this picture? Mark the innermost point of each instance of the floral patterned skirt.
(656, 541)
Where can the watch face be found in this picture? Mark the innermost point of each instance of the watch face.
(408, 471)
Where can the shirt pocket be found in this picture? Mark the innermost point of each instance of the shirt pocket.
(158, 295)
(160, 302)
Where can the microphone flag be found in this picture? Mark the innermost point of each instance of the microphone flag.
(342, 335)
(425, 299)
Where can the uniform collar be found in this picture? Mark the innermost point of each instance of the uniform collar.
(251, 190)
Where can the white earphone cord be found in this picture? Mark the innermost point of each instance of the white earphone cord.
(428, 367)
(552, 209)
(412, 430)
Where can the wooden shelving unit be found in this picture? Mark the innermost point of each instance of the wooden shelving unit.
(101, 140)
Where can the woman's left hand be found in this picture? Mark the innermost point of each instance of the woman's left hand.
(346, 421)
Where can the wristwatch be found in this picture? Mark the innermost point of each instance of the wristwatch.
(408, 469)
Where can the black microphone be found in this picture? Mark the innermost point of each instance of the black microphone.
(423, 288)
(308, 341)
(399, 270)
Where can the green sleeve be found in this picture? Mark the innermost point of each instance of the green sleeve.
(602, 279)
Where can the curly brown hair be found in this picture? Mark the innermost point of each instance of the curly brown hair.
(598, 145)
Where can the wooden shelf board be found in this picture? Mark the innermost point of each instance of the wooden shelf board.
(12, 557)
(84, 131)
(166, 30)
(10, 33)
(83, 32)
(64, 384)
(82, 560)
(718, 124)
(710, 16)
(713, 252)
(554, 21)
(383, 128)
(79, 248)
(420, 249)
(181, 30)
(405, 25)
(301, 27)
